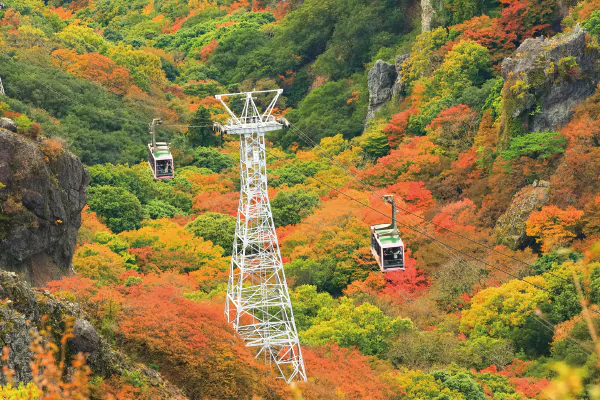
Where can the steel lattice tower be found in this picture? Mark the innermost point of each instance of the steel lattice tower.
(258, 302)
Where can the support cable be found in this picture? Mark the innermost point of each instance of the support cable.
(309, 141)
(405, 294)
(449, 247)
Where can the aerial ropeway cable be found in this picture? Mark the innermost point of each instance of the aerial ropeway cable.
(508, 271)
(311, 142)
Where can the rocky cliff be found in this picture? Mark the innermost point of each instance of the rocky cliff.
(42, 192)
(381, 79)
(544, 79)
(21, 312)
(385, 82)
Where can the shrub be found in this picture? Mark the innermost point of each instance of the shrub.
(218, 228)
(119, 209)
(291, 206)
(537, 145)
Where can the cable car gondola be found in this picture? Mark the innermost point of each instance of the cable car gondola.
(386, 244)
(160, 159)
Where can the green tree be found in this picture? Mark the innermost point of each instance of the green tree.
(461, 382)
(200, 132)
(207, 157)
(232, 50)
(156, 209)
(312, 272)
(365, 327)
(307, 303)
(295, 174)
(120, 210)
(374, 144)
(592, 24)
(507, 312)
(291, 206)
(83, 39)
(137, 179)
(538, 145)
(218, 228)
(468, 63)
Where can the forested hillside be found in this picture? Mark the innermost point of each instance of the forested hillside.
(485, 126)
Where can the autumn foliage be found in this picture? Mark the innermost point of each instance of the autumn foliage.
(96, 68)
(553, 227)
(446, 146)
(345, 371)
(190, 341)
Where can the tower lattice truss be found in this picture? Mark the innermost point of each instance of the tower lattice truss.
(258, 302)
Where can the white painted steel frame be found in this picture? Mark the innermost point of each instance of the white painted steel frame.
(258, 303)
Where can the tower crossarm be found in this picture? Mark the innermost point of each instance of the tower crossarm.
(250, 117)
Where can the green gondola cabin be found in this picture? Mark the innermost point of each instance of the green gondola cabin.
(386, 244)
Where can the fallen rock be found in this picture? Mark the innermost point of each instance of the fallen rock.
(86, 338)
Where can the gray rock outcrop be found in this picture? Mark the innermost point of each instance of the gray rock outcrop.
(511, 226)
(544, 79)
(427, 15)
(399, 86)
(385, 82)
(42, 193)
(7, 123)
(381, 80)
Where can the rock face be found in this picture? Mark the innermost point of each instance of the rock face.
(427, 14)
(544, 79)
(21, 311)
(7, 123)
(399, 87)
(42, 194)
(381, 80)
(385, 82)
(510, 228)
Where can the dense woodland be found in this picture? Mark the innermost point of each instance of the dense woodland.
(472, 317)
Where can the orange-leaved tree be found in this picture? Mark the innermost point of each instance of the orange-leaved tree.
(454, 128)
(396, 128)
(337, 372)
(415, 160)
(96, 68)
(554, 227)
